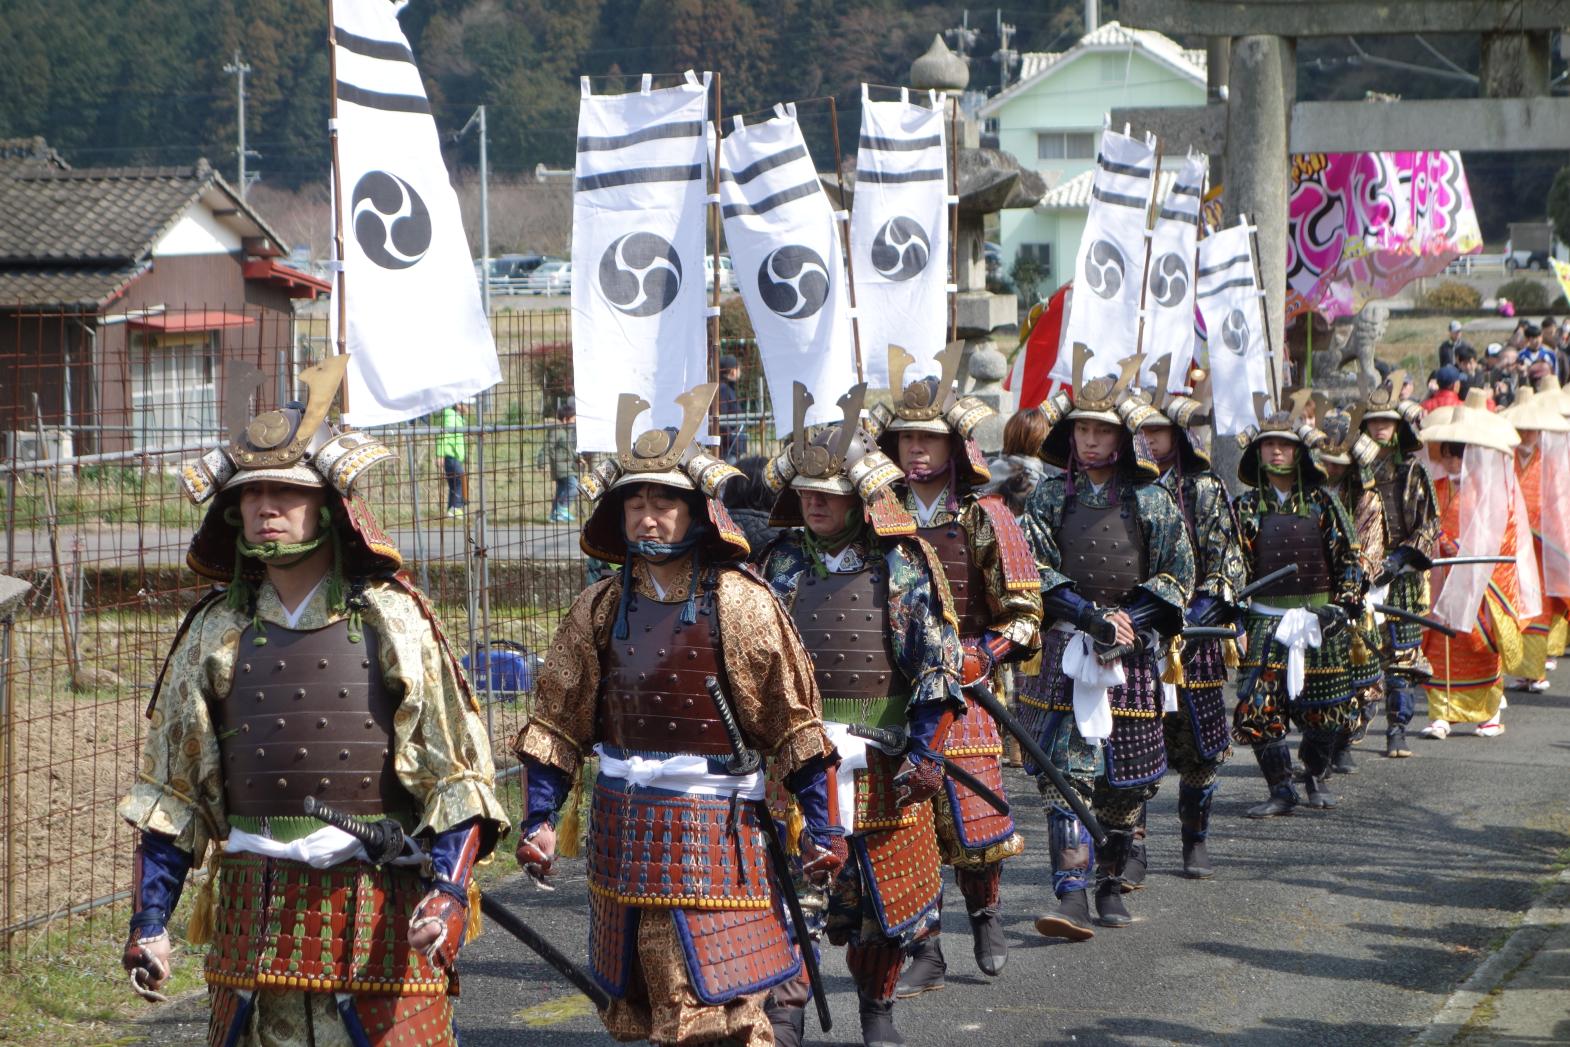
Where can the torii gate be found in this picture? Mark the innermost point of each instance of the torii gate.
(1254, 122)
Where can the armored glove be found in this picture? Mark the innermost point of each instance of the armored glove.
(536, 851)
(823, 855)
(436, 929)
(918, 782)
(148, 961)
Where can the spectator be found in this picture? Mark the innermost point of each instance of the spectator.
(1553, 333)
(1455, 340)
(1539, 362)
(452, 445)
(1448, 382)
(1505, 307)
(1471, 370)
(750, 503)
(1020, 468)
(559, 456)
(1518, 336)
(733, 435)
(1504, 375)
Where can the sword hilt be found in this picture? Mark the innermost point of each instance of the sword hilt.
(891, 741)
(743, 761)
(382, 839)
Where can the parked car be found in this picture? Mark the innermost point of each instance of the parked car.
(727, 273)
(510, 272)
(553, 276)
(1528, 245)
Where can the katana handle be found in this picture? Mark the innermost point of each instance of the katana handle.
(891, 741)
(988, 701)
(383, 839)
(1209, 632)
(743, 761)
(1266, 582)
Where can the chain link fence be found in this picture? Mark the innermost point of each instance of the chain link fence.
(97, 413)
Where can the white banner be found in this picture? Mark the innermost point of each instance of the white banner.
(411, 294)
(899, 234)
(1169, 279)
(785, 243)
(1231, 304)
(638, 220)
(1110, 268)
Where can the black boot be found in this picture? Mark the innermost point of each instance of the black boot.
(1113, 859)
(1194, 816)
(1318, 754)
(925, 972)
(980, 889)
(1395, 742)
(1341, 756)
(1072, 854)
(877, 1023)
(1134, 871)
(1275, 763)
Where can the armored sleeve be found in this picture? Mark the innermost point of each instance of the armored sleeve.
(1422, 509)
(1369, 522)
(1015, 611)
(1170, 555)
(1043, 513)
(178, 791)
(441, 751)
(921, 624)
(772, 687)
(1341, 544)
(1221, 569)
(561, 729)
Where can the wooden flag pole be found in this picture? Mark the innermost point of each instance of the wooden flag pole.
(954, 219)
(332, 134)
(850, 265)
(714, 218)
(1144, 273)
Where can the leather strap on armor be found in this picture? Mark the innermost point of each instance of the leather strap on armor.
(308, 715)
(1102, 550)
(653, 697)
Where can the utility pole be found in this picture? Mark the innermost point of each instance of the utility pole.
(1006, 57)
(478, 118)
(238, 69)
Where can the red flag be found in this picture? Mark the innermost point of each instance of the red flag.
(1033, 365)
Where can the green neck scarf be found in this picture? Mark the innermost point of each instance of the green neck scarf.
(242, 593)
(817, 546)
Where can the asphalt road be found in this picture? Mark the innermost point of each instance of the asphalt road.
(1346, 927)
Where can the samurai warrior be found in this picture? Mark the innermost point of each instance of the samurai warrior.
(1117, 574)
(315, 672)
(1297, 667)
(1411, 515)
(670, 671)
(873, 605)
(1196, 731)
(997, 603)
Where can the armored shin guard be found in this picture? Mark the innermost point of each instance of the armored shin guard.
(980, 888)
(1399, 700)
(1275, 763)
(1194, 817)
(1134, 874)
(1318, 754)
(1072, 852)
(875, 969)
(1111, 864)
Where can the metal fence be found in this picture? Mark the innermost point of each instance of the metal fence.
(97, 414)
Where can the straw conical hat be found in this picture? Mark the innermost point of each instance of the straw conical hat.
(1541, 412)
(1548, 386)
(1473, 423)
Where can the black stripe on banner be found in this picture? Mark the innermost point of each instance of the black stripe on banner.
(1178, 216)
(684, 129)
(768, 163)
(1242, 281)
(1185, 190)
(1213, 269)
(380, 100)
(389, 50)
(639, 176)
(1132, 170)
(900, 145)
(1118, 198)
(896, 177)
(769, 203)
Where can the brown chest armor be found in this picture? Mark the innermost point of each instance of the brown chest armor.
(308, 715)
(967, 585)
(1102, 551)
(653, 697)
(841, 619)
(1290, 538)
(1390, 484)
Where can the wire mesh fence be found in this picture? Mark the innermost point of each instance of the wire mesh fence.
(98, 412)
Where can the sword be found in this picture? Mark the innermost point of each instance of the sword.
(988, 701)
(1457, 561)
(895, 741)
(1208, 632)
(384, 840)
(1416, 619)
(744, 761)
(1266, 582)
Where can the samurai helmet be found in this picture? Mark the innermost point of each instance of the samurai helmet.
(1182, 412)
(840, 458)
(1114, 401)
(670, 457)
(293, 445)
(1384, 402)
(1341, 440)
(1290, 424)
(931, 405)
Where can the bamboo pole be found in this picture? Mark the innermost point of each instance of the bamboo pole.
(954, 219)
(850, 263)
(714, 295)
(337, 173)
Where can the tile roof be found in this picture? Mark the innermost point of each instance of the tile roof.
(18, 154)
(73, 288)
(1110, 36)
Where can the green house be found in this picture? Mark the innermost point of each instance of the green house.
(1052, 119)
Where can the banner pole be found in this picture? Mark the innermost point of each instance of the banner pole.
(714, 219)
(332, 134)
(1144, 271)
(850, 265)
(954, 219)
(1264, 313)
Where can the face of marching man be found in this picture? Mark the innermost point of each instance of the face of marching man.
(1162, 441)
(282, 513)
(1278, 453)
(922, 453)
(1096, 442)
(1381, 430)
(826, 514)
(656, 513)
(1334, 470)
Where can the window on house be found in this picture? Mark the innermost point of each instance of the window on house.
(173, 389)
(1041, 254)
(1065, 145)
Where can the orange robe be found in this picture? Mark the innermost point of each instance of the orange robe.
(1468, 676)
(1545, 634)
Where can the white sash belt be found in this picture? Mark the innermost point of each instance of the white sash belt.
(682, 774)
